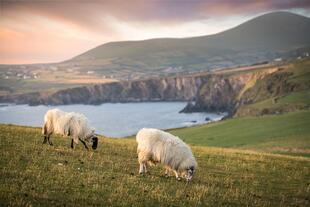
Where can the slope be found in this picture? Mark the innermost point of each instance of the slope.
(286, 134)
(279, 34)
(33, 174)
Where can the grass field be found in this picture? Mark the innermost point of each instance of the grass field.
(33, 174)
(286, 133)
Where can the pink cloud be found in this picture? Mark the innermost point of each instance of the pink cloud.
(41, 31)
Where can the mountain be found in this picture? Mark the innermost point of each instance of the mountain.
(264, 38)
(274, 32)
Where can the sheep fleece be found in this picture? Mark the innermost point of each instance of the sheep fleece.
(159, 146)
(65, 123)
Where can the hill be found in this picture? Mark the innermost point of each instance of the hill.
(286, 133)
(256, 92)
(273, 31)
(33, 174)
(279, 35)
(263, 38)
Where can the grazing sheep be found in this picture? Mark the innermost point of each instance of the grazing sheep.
(70, 124)
(156, 146)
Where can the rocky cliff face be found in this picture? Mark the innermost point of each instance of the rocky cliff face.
(276, 93)
(216, 93)
(220, 93)
(161, 89)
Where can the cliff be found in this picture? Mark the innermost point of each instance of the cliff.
(159, 89)
(210, 92)
(222, 93)
(284, 91)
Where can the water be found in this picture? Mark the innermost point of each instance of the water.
(113, 119)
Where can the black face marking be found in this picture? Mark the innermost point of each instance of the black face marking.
(95, 143)
(191, 171)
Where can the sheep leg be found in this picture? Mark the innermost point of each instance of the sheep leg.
(141, 170)
(84, 143)
(48, 140)
(45, 133)
(72, 144)
(167, 172)
(143, 159)
(145, 170)
(45, 139)
(177, 175)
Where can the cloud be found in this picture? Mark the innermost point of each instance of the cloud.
(54, 30)
(90, 13)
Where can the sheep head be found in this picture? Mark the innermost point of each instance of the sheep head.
(93, 139)
(95, 142)
(190, 173)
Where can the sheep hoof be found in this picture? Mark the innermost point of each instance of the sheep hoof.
(179, 178)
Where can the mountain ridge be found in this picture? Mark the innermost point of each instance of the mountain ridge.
(276, 16)
(251, 43)
(264, 38)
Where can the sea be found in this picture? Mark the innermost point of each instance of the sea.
(114, 119)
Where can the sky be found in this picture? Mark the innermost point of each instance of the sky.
(40, 31)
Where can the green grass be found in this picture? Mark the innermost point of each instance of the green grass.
(301, 97)
(286, 133)
(301, 70)
(32, 174)
(273, 95)
(293, 99)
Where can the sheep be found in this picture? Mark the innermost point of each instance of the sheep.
(70, 124)
(156, 146)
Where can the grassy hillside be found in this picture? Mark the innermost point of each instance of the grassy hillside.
(33, 174)
(244, 44)
(283, 91)
(278, 34)
(287, 133)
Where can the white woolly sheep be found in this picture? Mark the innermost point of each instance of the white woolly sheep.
(70, 124)
(156, 146)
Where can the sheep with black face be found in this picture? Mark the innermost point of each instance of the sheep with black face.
(156, 146)
(70, 124)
